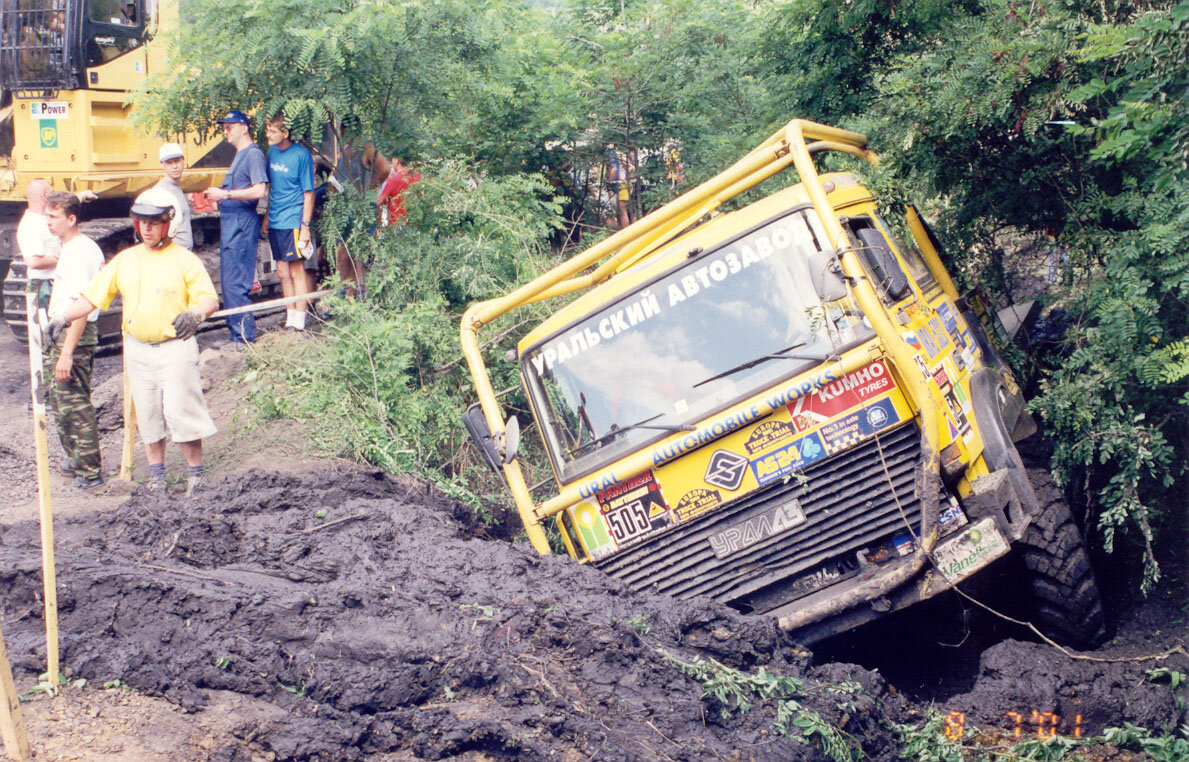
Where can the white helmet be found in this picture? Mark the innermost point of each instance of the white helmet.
(155, 204)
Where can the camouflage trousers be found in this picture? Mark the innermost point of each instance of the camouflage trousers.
(70, 402)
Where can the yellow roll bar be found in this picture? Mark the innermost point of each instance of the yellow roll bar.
(786, 146)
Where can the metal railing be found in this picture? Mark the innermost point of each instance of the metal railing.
(35, 52)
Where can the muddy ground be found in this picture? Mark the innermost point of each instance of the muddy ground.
(331, 612)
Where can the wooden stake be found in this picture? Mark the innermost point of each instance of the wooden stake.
(41, 446)
(12, 727)
(129, 450)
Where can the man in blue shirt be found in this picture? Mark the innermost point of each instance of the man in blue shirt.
(244, 185)
(290, 207)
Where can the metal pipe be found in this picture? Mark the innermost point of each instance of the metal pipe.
(258, 306)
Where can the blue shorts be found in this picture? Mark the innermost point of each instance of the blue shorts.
(284, 244)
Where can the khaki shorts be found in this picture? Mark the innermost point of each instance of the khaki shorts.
(167, 390)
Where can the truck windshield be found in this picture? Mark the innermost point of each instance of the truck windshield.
(727, 324)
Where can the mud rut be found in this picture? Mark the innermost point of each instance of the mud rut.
(390, 625)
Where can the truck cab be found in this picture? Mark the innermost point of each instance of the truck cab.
(786, 407)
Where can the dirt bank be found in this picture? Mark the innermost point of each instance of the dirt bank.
(385, 626)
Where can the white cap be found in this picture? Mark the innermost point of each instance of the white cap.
(171, 151)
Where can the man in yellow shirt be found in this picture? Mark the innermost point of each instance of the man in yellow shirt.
(167, 294)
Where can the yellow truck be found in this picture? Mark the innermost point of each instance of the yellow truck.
(787, 407)
(66, 70)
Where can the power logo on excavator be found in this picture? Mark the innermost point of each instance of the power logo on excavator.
(817, 422)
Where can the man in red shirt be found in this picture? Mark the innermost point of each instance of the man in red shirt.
(391, 200)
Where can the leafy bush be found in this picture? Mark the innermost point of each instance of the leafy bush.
(385, 383)
(1051, 140)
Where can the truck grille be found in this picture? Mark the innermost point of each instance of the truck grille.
(848, 505)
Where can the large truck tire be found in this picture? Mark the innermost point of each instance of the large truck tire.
(1067, 606)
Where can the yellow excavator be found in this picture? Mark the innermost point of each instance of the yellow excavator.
(66, 69)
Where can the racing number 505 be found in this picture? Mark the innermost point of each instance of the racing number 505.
(628, 521)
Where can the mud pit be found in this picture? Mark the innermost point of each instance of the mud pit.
(391, 626)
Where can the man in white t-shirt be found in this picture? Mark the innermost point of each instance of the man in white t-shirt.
(70, 358)
(39, 247)
(173, 164)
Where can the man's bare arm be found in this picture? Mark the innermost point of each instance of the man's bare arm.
(69, 342)
(251, 193)
(207, 305)
(41, 261)
(80, 307)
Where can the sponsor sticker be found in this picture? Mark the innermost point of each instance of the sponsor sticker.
(696, 501)
(725, 470)
(792, 457)
(47, 132)
(837, 397)
(633, 508)
(939, 335)
(592, 531)
(950, 321)
(48, 110)
(925, 336)
(767, 435)
(855, 427)
(952, 516)
(960, 556)
(779, 518)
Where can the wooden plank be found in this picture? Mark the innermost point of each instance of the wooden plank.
(12, 727)
(45, 507)
(129, 451)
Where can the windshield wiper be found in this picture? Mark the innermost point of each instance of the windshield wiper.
(780, 354)
(644, 424)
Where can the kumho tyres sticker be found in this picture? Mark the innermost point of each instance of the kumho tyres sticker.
(769, 434)
(860, 425)
(837, 397)
(633, 509)
(792, 457)
(696, 501)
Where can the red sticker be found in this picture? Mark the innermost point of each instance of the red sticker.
(836, 398)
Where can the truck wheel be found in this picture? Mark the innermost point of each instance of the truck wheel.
(1067, 607)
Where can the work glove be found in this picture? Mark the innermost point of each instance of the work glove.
(186, 323)
(53, 329)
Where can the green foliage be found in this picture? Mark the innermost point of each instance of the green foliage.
(928, 741)
(936, 741)
(1159, 748)
(1055, 131)
(1175, 678)
(385, 383)
(731, 691)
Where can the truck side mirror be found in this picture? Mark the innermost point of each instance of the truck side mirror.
(476, 425)
(511, 439)
(823, 273)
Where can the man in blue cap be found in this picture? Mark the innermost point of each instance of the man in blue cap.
(245, 184)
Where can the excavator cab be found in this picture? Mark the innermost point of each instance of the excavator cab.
(48, 45)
